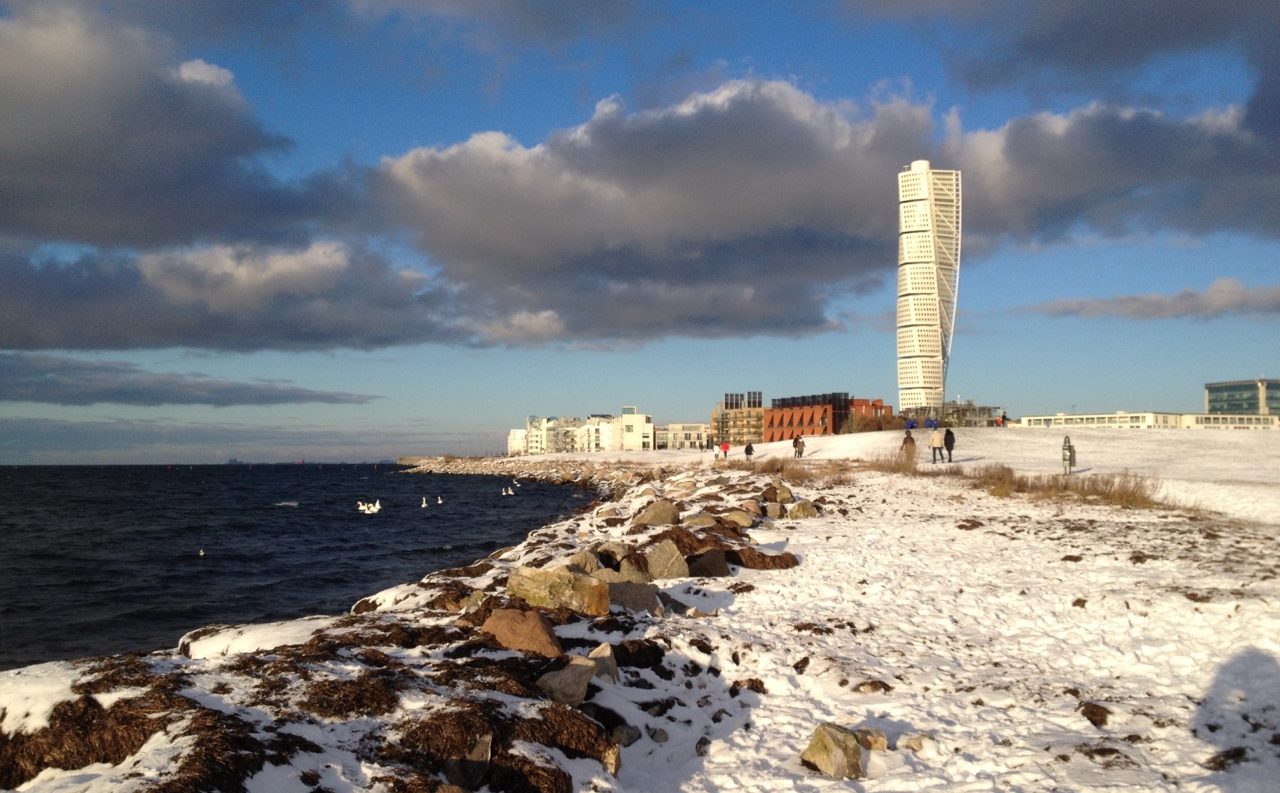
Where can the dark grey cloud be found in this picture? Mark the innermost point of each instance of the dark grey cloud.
(1223, 297)
(1115, 171)
(736, 211)
(109, 138)
(319, 297)
(66, 381)
(1054, 46)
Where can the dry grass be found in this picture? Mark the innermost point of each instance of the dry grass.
(1126, 489)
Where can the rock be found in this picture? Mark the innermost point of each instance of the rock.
(773, 509)
(631, 575)
(700, 521)
(583, 562)
(611, 552)
(643, 653)
(658, 735)
(529, 631)
(872, 739)
(665, 561)
(635, 596)
(743, 518)
(560, 587)
(913, 742)
(755, 560)
(784, 494)
(711, 564)
(568, 685)
(659, 513)
(803, 509)
(606, 664)
(770, 493)
(702, 746)
(833, 751)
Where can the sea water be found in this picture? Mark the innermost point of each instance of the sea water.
(105, 559)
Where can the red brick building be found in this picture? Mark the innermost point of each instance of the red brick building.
(819, 414)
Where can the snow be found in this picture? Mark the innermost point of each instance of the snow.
(1027, 644)
(29, 695)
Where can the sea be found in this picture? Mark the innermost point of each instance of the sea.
(98, 560)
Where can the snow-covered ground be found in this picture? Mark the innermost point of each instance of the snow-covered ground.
(1233, 472)
(1027, 644)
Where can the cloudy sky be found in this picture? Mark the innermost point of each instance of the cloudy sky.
(353, 229)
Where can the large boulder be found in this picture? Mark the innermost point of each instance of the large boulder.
(635, 596)
(772, 509)
(568, 685)
(756, 560)
(560, 587)
(743, 518)
(529, 631)
(700, 521)
(583, 562)
(664, 560)
(660, 513)
(709, 564)
(834, 751)
(629, 574)
(803, 508)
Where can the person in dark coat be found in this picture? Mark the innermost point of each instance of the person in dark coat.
(908, 446)
(750, 450)
(949, 441)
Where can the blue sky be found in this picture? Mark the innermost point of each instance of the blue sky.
(354, 229)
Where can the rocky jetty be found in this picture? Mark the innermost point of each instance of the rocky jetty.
(527, 670)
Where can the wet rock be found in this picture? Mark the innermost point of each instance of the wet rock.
(560, 587)
(834, 751)
(529, 631)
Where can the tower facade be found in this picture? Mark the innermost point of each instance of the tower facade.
(928, 276)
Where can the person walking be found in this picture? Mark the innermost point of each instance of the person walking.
(908, 448)
(724, 449)
(949, 441)
(935, 444)
(750, 450)
(795, 446)
(1004, 420)
(799, 447)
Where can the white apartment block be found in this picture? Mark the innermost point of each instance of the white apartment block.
(928, 278)
(682, 436)
(1153, 421)
(630, 431)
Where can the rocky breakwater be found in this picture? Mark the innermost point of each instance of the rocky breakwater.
(538, 668)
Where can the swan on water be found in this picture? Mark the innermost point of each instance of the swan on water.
(424, 502)
(439, 499)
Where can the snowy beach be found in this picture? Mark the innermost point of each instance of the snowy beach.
(994, 643)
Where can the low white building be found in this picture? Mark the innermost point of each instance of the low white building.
(517, 442)
(630, 431)
(681, 436)
(1124, 419)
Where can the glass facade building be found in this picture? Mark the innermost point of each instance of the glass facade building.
(1243, 397)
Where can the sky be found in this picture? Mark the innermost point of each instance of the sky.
(357, 229)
